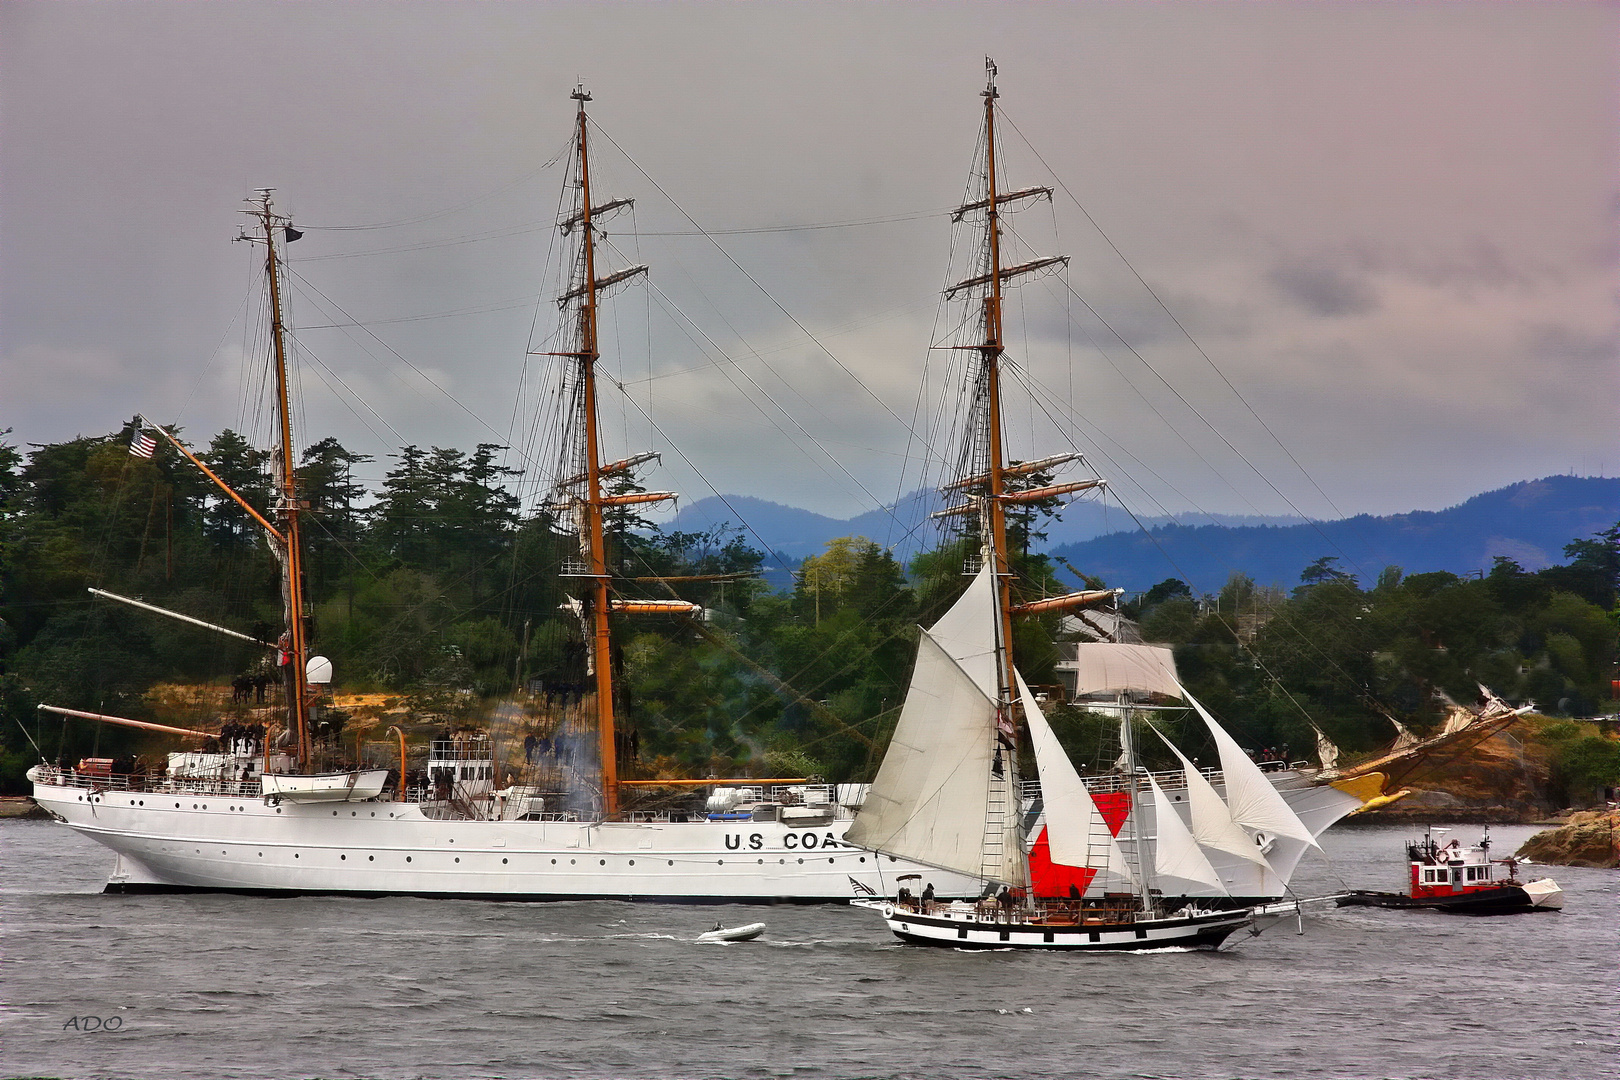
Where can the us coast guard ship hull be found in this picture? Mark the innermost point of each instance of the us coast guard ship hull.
(237, 841)
(182, 834)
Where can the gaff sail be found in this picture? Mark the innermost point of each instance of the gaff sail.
(930, 800)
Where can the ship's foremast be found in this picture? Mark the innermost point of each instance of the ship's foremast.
(285, 537)
(288, 509)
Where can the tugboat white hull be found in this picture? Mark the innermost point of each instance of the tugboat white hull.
(964, 927)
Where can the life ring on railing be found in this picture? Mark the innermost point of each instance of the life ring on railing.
(888, 911)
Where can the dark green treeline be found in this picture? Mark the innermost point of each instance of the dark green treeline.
(436, 587)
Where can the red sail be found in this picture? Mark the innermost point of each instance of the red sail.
(1048, 878)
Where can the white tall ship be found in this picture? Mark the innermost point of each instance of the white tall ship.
(948, 792)
(258, 815)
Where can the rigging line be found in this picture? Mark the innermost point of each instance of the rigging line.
(401, 358)
(1315, 525)
(323, 366)
(241, 313)
(1165, 308)
(757, 354)
(529, 436)
(781, 347)
(429, 245)
(432, 215)
(482, 309)
(699, 473)
(1286, 621)
(740, 269)
(352, 552)
(1030, 383)
(723, 500)
(766, 394)
(914, 215)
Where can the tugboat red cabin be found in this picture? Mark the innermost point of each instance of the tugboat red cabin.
(1460, 879)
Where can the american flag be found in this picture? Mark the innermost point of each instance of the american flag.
(861, 888)
(142, 445)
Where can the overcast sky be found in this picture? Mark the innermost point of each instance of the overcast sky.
(1390, 227)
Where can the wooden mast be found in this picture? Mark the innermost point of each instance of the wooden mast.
(990, 474)
(602, 651)
(991, 352)
(292, 549)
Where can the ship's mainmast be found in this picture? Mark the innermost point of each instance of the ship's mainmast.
(583, 299)
(990, 356)
(588, 355)
(986, 468)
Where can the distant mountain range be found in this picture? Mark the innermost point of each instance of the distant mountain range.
(1529, 522)
(794, 533)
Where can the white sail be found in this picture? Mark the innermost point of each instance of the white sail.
(929, 801)
(1109, 667)
(1176, 852)
(1254, 802)
(1212, 824)
(967, 633)
(1075, 829)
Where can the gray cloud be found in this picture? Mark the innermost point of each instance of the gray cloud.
(1325, 285)
(1391, 227)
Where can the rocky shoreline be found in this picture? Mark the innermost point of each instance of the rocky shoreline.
(1469, 815)
(20, 807)
(1589, 838)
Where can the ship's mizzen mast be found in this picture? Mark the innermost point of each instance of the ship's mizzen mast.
(285, 540)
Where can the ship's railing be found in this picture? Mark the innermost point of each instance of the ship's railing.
(1171, 779)
(802, 794)
(147, 782)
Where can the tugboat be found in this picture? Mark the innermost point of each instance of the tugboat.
(1466, 881)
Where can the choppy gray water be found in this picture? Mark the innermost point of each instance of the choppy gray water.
(208, 986)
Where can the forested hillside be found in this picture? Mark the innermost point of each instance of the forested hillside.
(437, 588)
